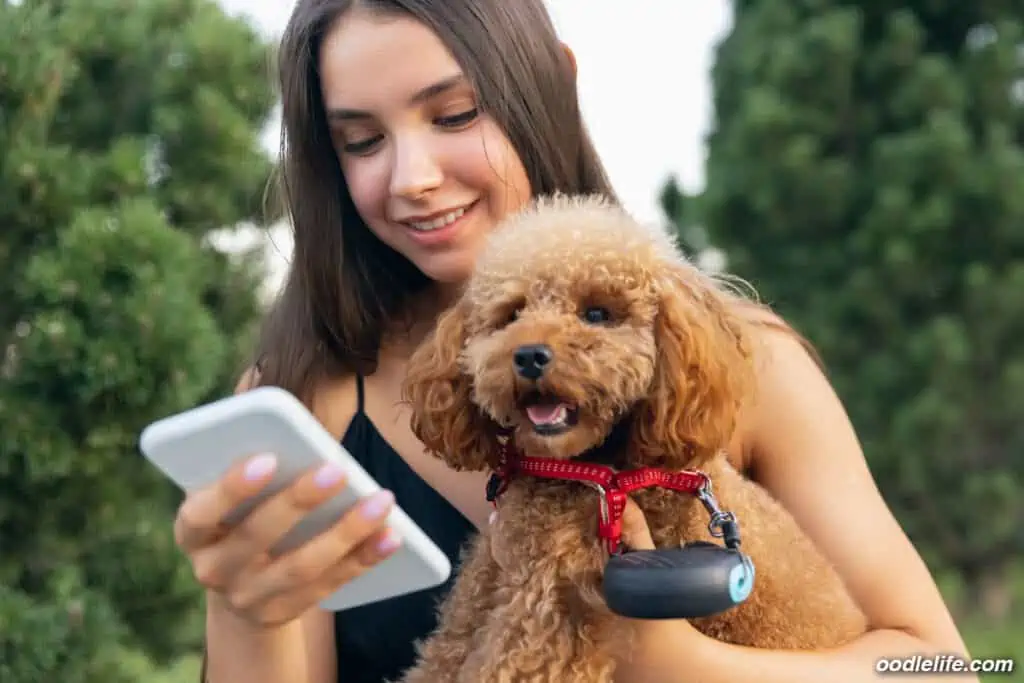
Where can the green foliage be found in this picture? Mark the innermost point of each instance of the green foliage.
(865, 175)
(129, 134)
(58, 633)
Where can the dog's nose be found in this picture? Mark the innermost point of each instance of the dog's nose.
(531, 359)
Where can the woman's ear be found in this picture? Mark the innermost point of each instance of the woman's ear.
(571, 57)
(444, 416)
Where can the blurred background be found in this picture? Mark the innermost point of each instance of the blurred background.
(860, 163)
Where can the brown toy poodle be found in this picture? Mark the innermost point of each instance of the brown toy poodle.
(585, 337)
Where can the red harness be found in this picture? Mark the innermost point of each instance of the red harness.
(612, 486)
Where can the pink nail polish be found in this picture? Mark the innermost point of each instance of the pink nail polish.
(260, 466)
(377, 504)
(328, 475)
(389, 543)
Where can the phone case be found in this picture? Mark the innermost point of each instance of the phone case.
(195, 448)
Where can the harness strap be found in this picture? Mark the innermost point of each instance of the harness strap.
(613, 486)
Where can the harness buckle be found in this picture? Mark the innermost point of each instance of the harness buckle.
(610, 523)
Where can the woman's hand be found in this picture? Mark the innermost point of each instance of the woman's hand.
(656, 642)
(234, 562)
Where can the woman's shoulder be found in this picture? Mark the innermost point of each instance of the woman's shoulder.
(249, 379)
(776, 340)
(784, 361)
(794, 424)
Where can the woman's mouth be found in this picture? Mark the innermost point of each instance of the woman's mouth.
(439, 222)
(440, 228)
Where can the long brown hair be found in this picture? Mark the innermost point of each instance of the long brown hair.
(345, 286)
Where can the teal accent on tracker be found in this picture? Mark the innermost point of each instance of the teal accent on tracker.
(741, 582)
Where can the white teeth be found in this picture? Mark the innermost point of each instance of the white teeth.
(440, 222)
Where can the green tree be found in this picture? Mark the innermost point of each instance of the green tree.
(865, 175)
(129, 135)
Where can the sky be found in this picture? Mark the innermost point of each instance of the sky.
(643, 70)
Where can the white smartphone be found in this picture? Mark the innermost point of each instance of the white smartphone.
(195, 448)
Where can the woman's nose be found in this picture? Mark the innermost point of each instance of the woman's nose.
(415, 170)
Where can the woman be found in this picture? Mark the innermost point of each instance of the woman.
(411, 128)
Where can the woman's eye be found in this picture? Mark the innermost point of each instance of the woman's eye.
(596, 314)
(456, 120)
(361, 146)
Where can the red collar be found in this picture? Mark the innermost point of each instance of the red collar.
(612, 485)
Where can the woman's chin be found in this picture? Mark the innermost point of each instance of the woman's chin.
(447, 270)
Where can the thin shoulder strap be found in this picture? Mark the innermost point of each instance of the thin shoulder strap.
(359, 393)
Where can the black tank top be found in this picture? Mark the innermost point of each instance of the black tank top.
(376, 642)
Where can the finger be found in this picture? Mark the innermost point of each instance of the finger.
(200, 517)
(378, 547)
(358, 541)
(270, 521)
(635, 532)
(284, 606)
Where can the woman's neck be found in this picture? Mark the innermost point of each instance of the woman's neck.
(444, 295)
(424, 310)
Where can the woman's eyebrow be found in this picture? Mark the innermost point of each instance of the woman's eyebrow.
(444, 85)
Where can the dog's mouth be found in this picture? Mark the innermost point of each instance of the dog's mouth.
(548, 414)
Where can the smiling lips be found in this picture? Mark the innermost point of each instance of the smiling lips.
(438, 230)
(439, 222)
(447, 219)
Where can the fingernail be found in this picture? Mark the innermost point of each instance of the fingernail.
(260, 466)
(329, 475)
(389, 543)
(377, 504)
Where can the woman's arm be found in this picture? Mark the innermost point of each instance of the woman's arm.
(803, 450)
(301, 651)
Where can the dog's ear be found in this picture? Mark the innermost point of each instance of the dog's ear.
(444, 417)
(704, 373)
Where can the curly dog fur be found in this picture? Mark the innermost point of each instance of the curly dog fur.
(666, 360)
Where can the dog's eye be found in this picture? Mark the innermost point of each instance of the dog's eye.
(507, 315)
(596, 314)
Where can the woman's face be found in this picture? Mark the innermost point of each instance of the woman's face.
(430, 174)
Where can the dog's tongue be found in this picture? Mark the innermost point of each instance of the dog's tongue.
(546, 414)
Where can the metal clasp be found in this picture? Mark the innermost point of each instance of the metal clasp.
(722, 523)
(603, 494)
